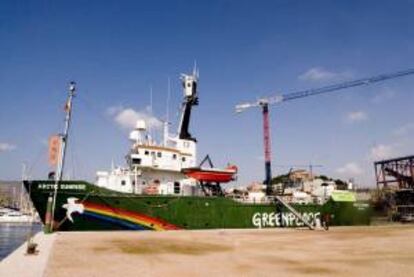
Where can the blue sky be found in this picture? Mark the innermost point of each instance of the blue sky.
(116, 50)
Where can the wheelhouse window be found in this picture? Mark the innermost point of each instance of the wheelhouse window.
(123, 183)
(176, 188)
(136, 161)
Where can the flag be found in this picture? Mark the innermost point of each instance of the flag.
(54, 149)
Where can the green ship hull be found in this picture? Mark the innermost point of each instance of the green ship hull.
(81, 206)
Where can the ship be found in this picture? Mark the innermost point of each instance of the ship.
(162, 187)
(17, 209)
(8, 215)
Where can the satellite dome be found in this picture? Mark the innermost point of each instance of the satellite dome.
(134, 135)
(141, 125)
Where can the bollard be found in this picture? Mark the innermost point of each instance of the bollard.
(48, 217)
(31, 248)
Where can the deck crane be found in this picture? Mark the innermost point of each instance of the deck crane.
(264, 103)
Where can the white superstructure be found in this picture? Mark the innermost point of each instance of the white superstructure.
(156, 168)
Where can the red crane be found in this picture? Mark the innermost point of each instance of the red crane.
(277, 99)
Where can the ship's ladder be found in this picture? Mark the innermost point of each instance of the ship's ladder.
(295, 212)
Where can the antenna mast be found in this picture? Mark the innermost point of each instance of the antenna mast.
(150, 132)
(167, 114)
(168, 100)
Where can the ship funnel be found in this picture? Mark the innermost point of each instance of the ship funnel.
(189, 83)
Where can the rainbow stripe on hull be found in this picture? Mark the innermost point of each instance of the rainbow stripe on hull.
(126, 219)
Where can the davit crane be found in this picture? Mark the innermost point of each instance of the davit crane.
(278, 99)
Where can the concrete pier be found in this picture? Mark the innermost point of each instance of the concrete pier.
(18, 264)
(341, 251)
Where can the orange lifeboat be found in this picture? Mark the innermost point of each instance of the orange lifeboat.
(211, 175)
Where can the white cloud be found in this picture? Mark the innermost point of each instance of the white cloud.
(260, 158)
(44, 141)
(382, 151)
(114, 110)
(404, 129)
(384, 95)
(321, 74)
(350, 169)
(128, 117)
(356, 116)
(4, 147)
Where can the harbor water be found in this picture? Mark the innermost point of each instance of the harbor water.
(12, 235)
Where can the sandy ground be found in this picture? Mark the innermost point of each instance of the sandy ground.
(347, 251)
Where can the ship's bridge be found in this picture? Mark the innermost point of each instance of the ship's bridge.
(160, 157)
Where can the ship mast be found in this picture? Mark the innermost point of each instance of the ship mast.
(64, 136)
(190, 99)
(64, 139)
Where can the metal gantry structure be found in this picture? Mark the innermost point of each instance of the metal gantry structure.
(395, 184)
(264, 104)
(398, 172)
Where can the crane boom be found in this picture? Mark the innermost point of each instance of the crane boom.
(355, 83)
(311, 92)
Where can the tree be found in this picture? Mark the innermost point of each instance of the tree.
(324, 178)
(284, 178)
(341, 185)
